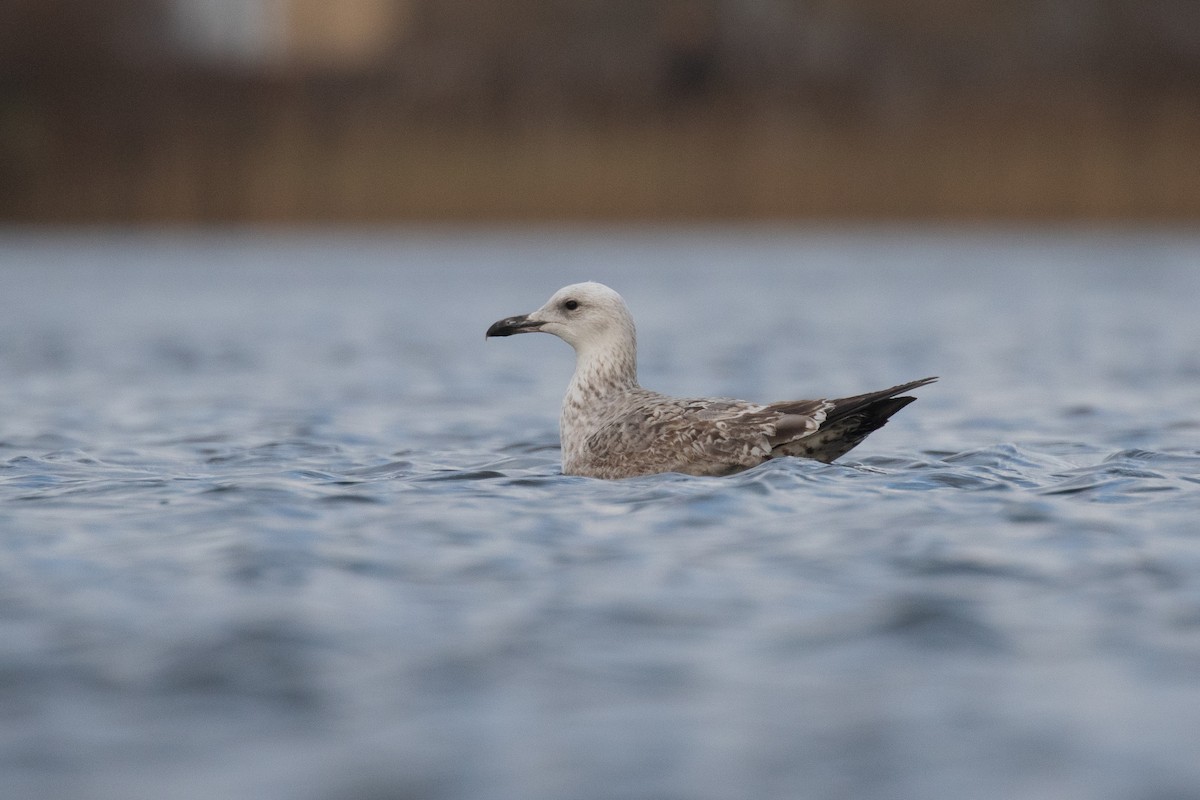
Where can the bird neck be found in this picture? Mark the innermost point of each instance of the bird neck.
(602, 369)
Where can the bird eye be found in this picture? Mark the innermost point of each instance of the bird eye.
(571, 305)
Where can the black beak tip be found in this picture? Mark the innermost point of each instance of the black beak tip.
(511, 325)
(501, 328)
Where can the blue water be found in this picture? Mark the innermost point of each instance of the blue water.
(277, 522)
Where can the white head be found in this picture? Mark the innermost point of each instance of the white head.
(590, 317)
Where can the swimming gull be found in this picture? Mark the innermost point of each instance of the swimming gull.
(613, 428)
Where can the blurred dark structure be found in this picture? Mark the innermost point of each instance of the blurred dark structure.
(381, 110)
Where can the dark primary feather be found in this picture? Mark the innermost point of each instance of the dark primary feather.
(848, 420)
(851, 405)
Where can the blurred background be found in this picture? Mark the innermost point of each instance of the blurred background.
(376, 111)
(278, 524)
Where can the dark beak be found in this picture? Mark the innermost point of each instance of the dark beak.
(511, 325)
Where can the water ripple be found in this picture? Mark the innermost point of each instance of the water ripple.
(273, 529)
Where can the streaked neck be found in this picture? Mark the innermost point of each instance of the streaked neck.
(601, 369)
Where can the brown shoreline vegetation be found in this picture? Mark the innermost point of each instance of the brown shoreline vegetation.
(291, 161)
(690, 132)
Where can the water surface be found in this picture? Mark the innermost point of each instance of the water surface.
(277, 522)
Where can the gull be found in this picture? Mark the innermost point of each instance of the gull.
(611, 427)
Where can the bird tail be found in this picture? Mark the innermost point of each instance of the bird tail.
(850, 419)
